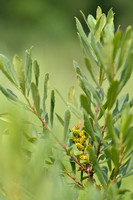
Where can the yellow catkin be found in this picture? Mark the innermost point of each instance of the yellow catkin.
(75, 139)
(79, 146)
(82, 133)
(83, 139)
(75, 132)
(77, 127)
(85, 158)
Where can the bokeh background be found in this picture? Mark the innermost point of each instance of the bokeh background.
(49, 26)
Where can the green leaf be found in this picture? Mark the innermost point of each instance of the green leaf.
(112, 94)
(71, 95)
(90, 69)
(5, 67)
(81, 32)
(28, 69)
(97, 49)
(73, 165)
(127, 71)
(66, 124)
(85, 84)
(99, 27)
(111, 131)
(45, 91)
(110, 18)
(36, 71)
(115, 156)
(91, 22)
(108, 58)
(69, 150)
(98, 13)
(125, 46)
(102, 111)
(85, 104)
(19, 69)
(7, 94)
(116, 43)
(126, 120)
(52, 107)
(88, 127)
(97, 168)
(108, 32)
(60, 119)
(35, 96)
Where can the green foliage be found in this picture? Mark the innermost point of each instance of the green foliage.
(96, 154)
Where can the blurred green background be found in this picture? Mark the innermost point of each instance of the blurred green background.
(49, 26)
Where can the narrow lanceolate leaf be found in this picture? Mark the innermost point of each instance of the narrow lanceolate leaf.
(108, 58)
(97, 168)
(98, 13)
(91, 22)
(111, 131)
(112, 94)
(110, 18)
(35, 96)
(127, 71)
(88, 126)
(71, 95)
(125, 47)
(86, 105)
(36, 71)
(5, 67)
(82, 33)
(60, 119)
(66, 124)
(8, 95)
(19, 69)
(90, 69)
(116, 43)
(125, 120)
(28, 69)
(52, 107)
(45, 91)
(99, 27)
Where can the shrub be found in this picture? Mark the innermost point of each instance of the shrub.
(98, 147)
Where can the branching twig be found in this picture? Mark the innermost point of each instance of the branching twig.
(74, 179)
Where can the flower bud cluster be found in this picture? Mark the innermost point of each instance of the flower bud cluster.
(80, 139)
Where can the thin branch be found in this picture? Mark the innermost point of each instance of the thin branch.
(74, 179)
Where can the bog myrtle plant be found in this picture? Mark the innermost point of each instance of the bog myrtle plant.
(97, 150)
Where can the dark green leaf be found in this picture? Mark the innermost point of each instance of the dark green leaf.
(88, 126)
(36, 71)
(66, 124)
(97, 168)
(116, 43)
(19, 69)
(115, 156)
(52, 107)
(35, 96)
(112, 94)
